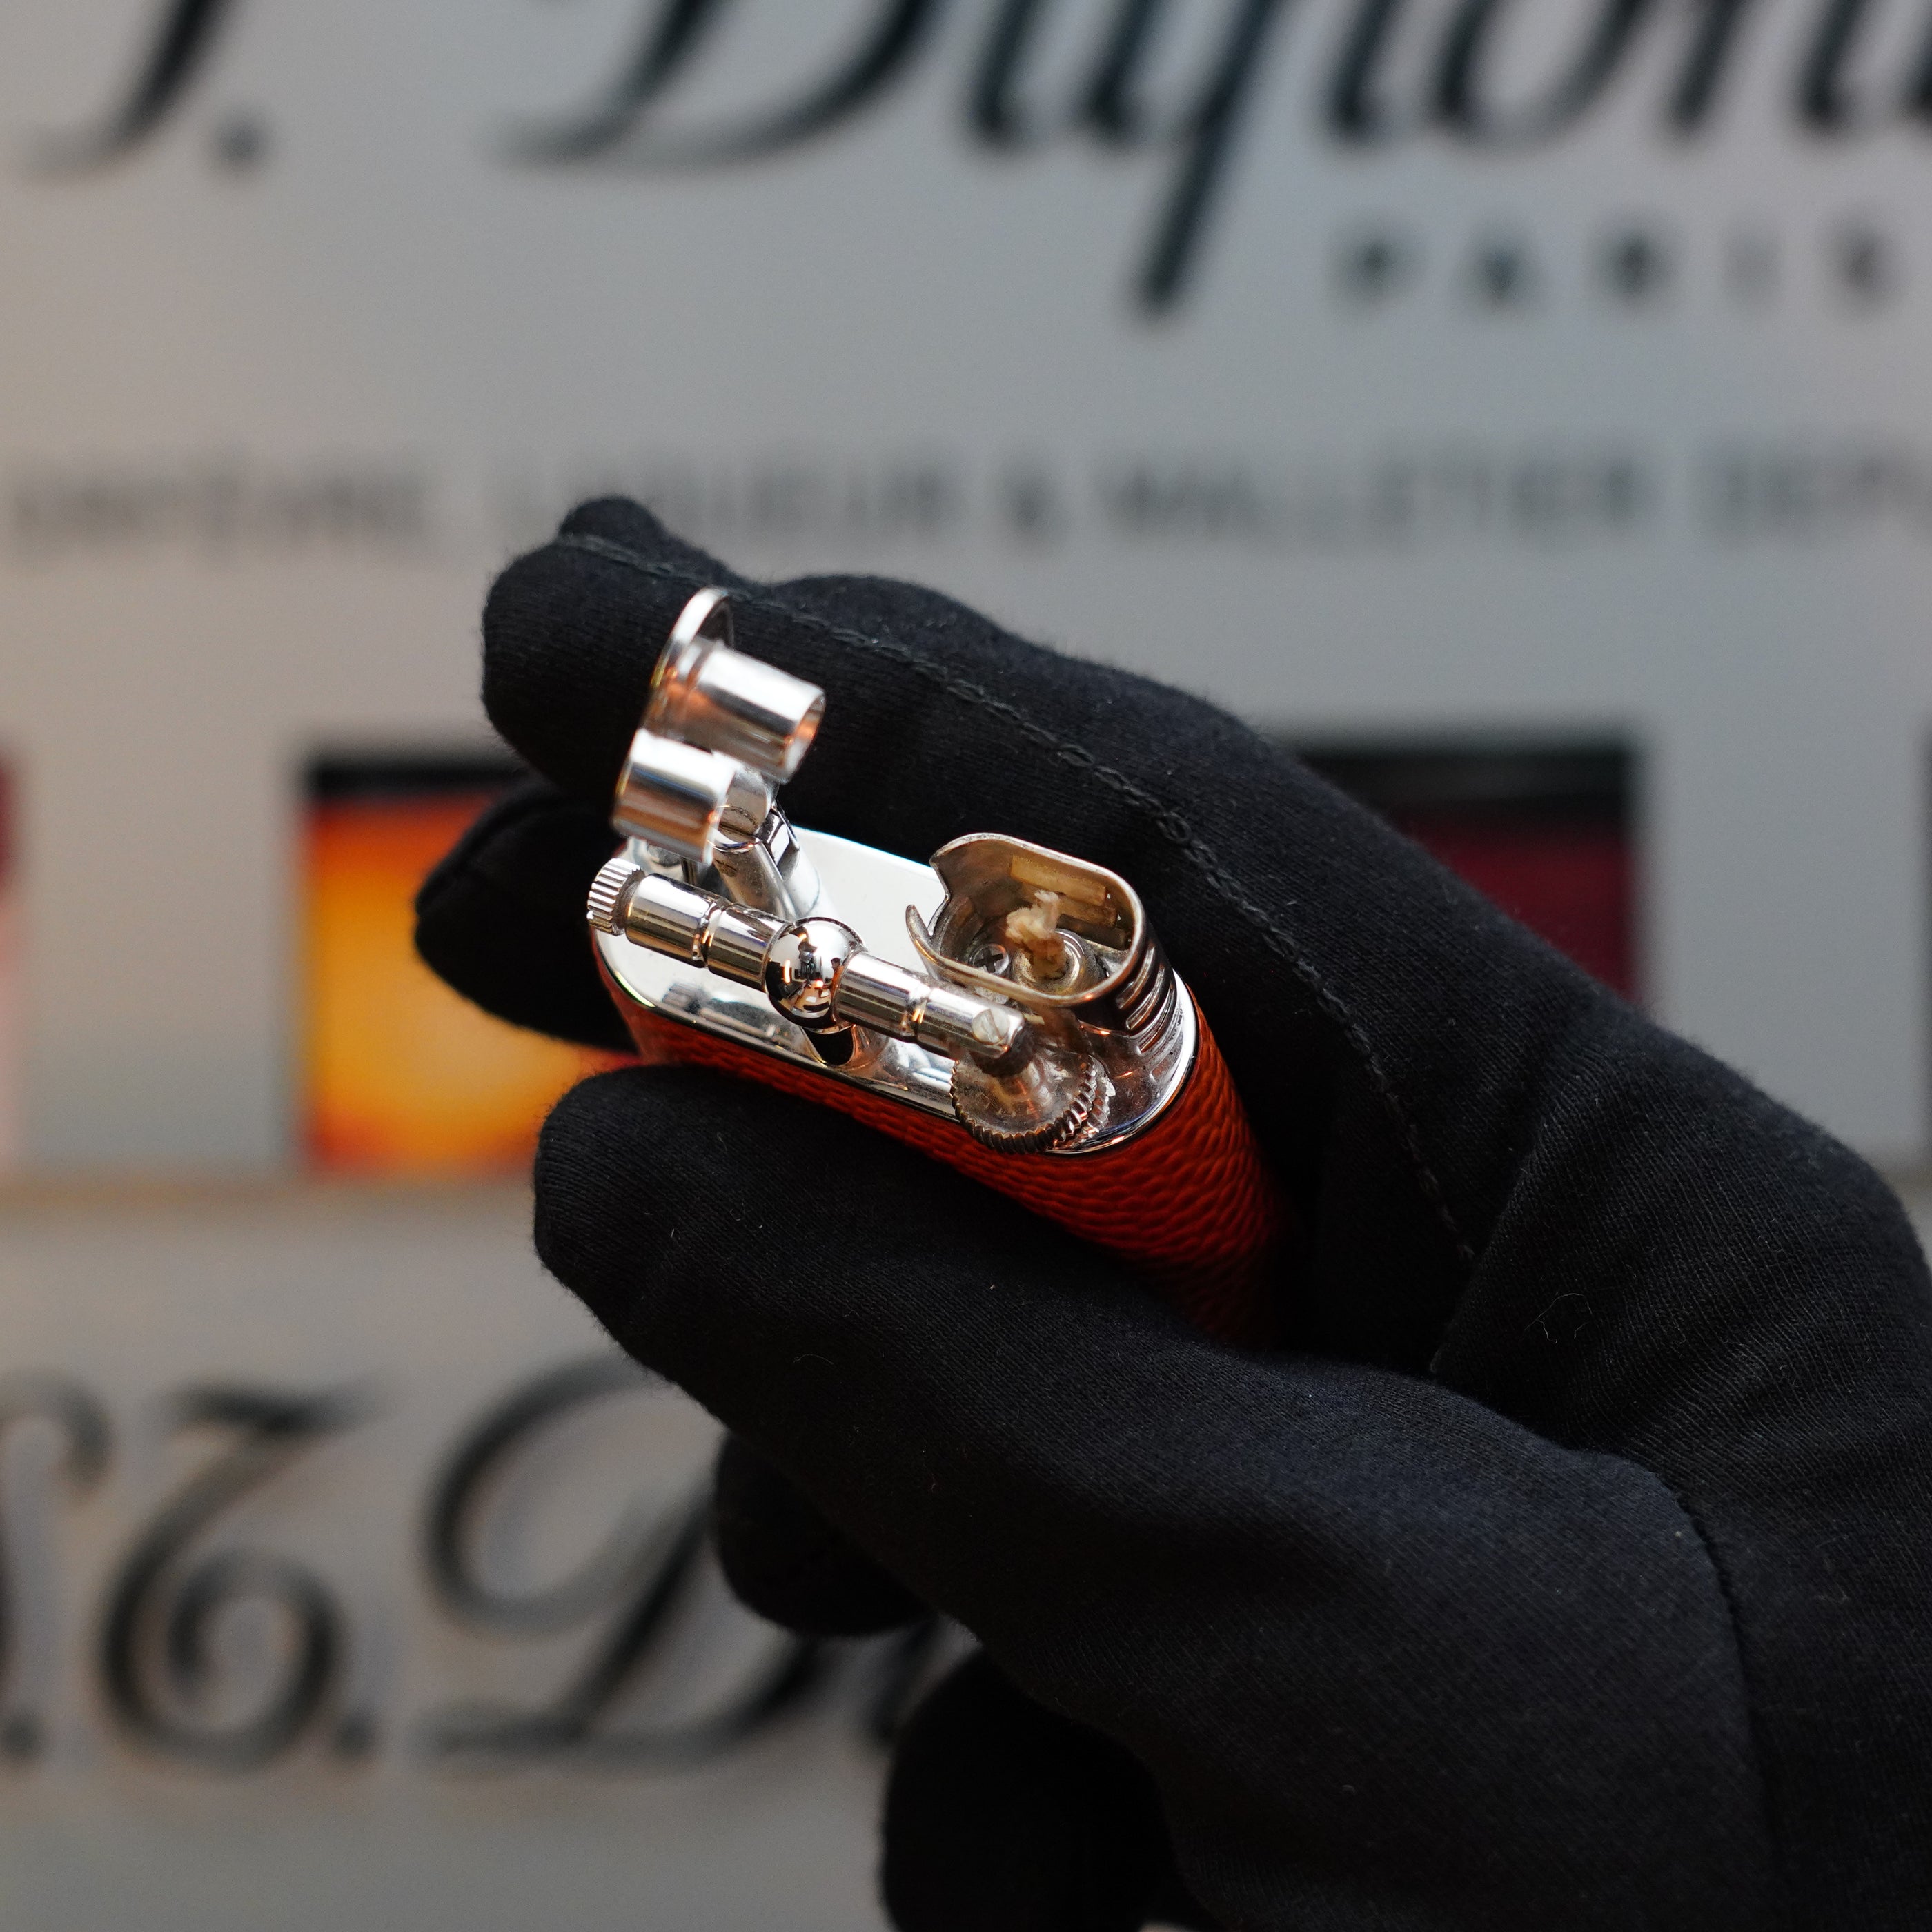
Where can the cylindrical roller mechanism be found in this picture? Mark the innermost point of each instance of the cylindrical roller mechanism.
(873, 992)
(706, 693)
(681, 922)
(815, 972)
(672, 795)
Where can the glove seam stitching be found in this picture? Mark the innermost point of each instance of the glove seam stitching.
(1172, 824)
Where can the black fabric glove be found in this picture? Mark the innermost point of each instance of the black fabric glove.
(1569, 1564)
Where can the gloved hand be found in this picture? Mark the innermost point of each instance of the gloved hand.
(1571, 1564)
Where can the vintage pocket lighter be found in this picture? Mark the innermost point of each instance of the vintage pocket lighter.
(1004, 1008)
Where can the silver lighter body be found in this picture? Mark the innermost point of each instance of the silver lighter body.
(1015, 989)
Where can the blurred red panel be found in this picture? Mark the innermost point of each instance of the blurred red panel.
(1543, 826)
(1575, 885)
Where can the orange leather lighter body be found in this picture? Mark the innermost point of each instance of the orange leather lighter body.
(1005, 1008)
(1190, 1202)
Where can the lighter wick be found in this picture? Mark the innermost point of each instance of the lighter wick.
(1034, 930)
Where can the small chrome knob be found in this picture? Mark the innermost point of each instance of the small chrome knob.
(802, 969)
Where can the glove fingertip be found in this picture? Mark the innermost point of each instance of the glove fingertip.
(565, 668)
(499, 918)
(632, 527)
(571, 632)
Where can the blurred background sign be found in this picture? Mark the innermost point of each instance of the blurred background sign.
(1523, 407)
(1390, 370)
(352, 1579)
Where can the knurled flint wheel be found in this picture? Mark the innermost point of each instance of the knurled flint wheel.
(608, 892)
(975, 1099)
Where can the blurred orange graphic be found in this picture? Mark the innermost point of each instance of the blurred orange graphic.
(402, 1076)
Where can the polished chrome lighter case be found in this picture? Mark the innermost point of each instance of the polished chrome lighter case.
(1017, 991)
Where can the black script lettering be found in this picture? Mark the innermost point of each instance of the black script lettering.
(641, 1580)
(616, 126)
(1918, 99)
(1699, 84)
(158, 1653)
(1357, 112)
(1460, 103)
(1827, 103)
(994, 114)
(464, 1487)
(178, 54)
(1203, 136)
(1112, 109)
(25, 1564)
(1109, 104)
